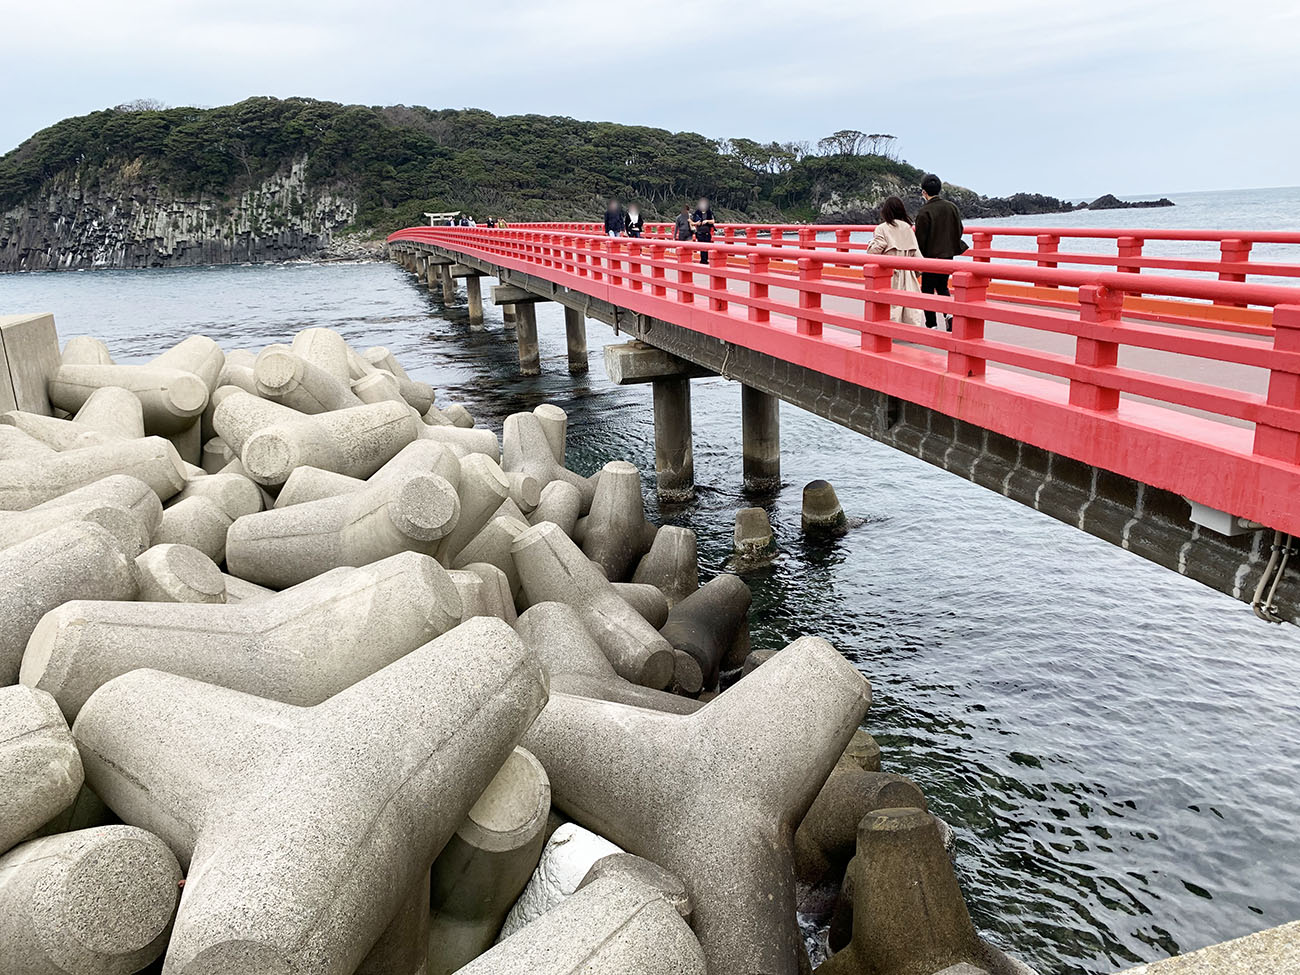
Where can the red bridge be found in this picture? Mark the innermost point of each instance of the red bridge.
(1151, 400)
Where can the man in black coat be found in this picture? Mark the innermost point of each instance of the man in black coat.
(938, 235)
(615, 220)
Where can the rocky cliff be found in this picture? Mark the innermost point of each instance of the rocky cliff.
(122, 221)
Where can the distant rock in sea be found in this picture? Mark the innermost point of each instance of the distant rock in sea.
(1110, 202)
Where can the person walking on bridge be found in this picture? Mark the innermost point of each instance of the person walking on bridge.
(702, 223)
(895, 238)
(682, 228)
(615, 220)
(635, 222)
(938, 234)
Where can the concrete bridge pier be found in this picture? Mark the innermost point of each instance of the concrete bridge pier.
(633, 362)
(448, 284)
(760, 417)
(525, 315)
(575, 329)
(474, 291)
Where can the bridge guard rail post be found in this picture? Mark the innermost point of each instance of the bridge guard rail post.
(758, 265)
(1283, 390)
(878, 279)
(1233, 251)
(1048, 246)
(1098, 305)
(810, 301)
(685, 274)
(658, 253)
(967, 288)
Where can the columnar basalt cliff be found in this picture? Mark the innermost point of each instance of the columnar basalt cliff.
(123, 222)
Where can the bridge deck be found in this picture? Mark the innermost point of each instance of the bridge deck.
(1189, 384)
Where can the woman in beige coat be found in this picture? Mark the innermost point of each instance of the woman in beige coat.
(894, 237)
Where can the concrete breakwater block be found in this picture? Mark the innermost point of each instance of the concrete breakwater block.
(821, 508)
(304, 830)
(527, 447)
(300, 646)
(109, 414)
(482, 489)
(559, 503)
(70, 561)
(285, 546)
(97, 901)
(725, 785)
(40, 768)
(616, 533)
(36, 478)
(179, 574)
(671, 564)
(553, 569)
(172, 399)
(283, 377)
(908, 911)
(483, 868)
(611, 927)
(122, 505)
(752, 538)
(272, 440)
(702, 627)
(578, 666)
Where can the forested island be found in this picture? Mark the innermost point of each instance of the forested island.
(266, 179)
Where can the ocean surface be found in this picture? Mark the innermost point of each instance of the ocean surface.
(1114, 745)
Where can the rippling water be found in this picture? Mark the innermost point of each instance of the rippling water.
(1114, 745)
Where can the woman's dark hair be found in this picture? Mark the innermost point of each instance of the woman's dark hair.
(892, 211)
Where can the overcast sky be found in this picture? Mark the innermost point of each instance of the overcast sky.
(1067, 97)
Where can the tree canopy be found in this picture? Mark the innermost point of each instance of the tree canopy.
(400, 161)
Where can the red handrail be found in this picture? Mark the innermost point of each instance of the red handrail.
(1208, 414)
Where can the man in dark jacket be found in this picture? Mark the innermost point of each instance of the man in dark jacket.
(702, 223)
(615, 220)
(938, 235)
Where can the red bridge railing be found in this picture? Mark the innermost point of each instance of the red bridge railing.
(1198, 404)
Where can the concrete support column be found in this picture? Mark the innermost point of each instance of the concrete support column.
(448, 284)
(530, 360)
(761, 435)
(474, 291)
(674, 454)
(430, 276)
(575, 328)
(508, 316)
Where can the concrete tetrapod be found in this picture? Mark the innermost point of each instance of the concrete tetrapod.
(617, 532)
(482, 488)
(646, 599)
(95, 902)
(325, 349)
(272, 440)
(555, 424)
(492, 546)
(578, 666)
(553, 569)
(304, 829)
(525, 447)
(110, 414)
(299, 646)
(485, 865)
(39, 764)
(826, 839)
(909, 917)
(170, 398)
(35, 479)
(122, 505)
(283, 377)
(703, 626)
(171, 573)
(672, 564)
(714, 796)
(561, 503)
(610, 927)
(72, 560)
(285, 546)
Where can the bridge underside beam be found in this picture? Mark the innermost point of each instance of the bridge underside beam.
(1147, 521)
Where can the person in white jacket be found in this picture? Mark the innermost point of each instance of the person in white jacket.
(894, 237)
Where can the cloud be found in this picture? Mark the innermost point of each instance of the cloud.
(1066, 97)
